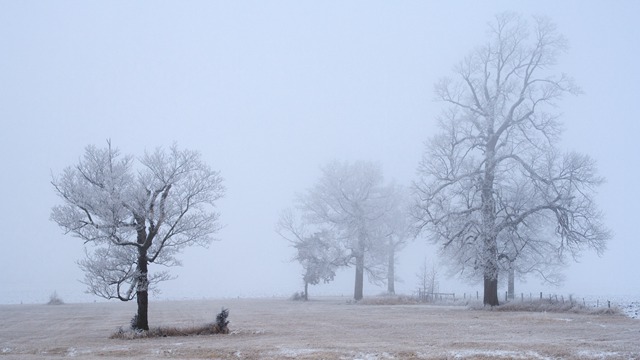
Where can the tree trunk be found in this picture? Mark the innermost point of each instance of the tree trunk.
(491, 291)
(358, 291)
(511, 284)
(490, 271)
(490, 244)
(306, 291)
(142, 291)
(391, 273)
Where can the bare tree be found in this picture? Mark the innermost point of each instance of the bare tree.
(427, 281)
(136, 215)
(349, 202)
(495, 167)
(397, 230)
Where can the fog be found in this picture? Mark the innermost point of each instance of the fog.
(268, 92)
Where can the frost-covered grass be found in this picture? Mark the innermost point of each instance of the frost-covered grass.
(130, 334)
(389, 300)
(546, 305)
(218, 327)
(399, 299)
(324, 328)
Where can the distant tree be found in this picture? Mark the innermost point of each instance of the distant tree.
(495, 168)
(319, 253)
(397, 230)
(525, 250)
(133, 213)
(427, 281)
(349, 202)
(54, 299)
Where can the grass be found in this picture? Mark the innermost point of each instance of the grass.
(557, 307)
(218, 327)
(544, 305)
(207, 329)
(389, 300)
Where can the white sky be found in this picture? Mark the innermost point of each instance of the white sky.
(268, 92)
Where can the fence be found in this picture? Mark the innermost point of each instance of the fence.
(425, 296)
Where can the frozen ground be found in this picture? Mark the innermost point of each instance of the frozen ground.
(629, 304)
(320, 329)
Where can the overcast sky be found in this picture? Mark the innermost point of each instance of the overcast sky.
(268, 92)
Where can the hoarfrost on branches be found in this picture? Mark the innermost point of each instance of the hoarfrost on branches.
(132, 213)
(492, 183)
(345, 210)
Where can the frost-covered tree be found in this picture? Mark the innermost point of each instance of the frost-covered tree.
(132, 213)
(397, 230)
(349, 202)
(319, 253)
(495, 168)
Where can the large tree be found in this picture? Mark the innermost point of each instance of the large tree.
(349, 202)
(136, 212)
(495, 168)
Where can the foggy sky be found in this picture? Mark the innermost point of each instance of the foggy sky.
(268, 92)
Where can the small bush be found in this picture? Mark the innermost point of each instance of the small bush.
(134, 322)
(54, 299)
(222, 322)
(298, 296)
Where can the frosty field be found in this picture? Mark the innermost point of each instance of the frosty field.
(327, 328)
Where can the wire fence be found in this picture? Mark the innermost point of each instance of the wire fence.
(586, 301)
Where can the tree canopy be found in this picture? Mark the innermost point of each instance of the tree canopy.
(492, 182)
(132, 212)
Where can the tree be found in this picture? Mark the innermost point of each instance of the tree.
(427, 282)
(318, 252)
(349, 202)
(136, 215)
(525, 250)
(397, 230)
(495, 167)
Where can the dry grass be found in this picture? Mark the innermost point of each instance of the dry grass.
(389, 300)
(325, 328)
(208, 329)
(556, 307)
(218, 327)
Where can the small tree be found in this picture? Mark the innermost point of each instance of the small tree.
(397, 230)
(319, 253)
(427, 281)
(54, 299)
(136, 215)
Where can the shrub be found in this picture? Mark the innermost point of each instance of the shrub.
(298, 296)
(54, 299)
